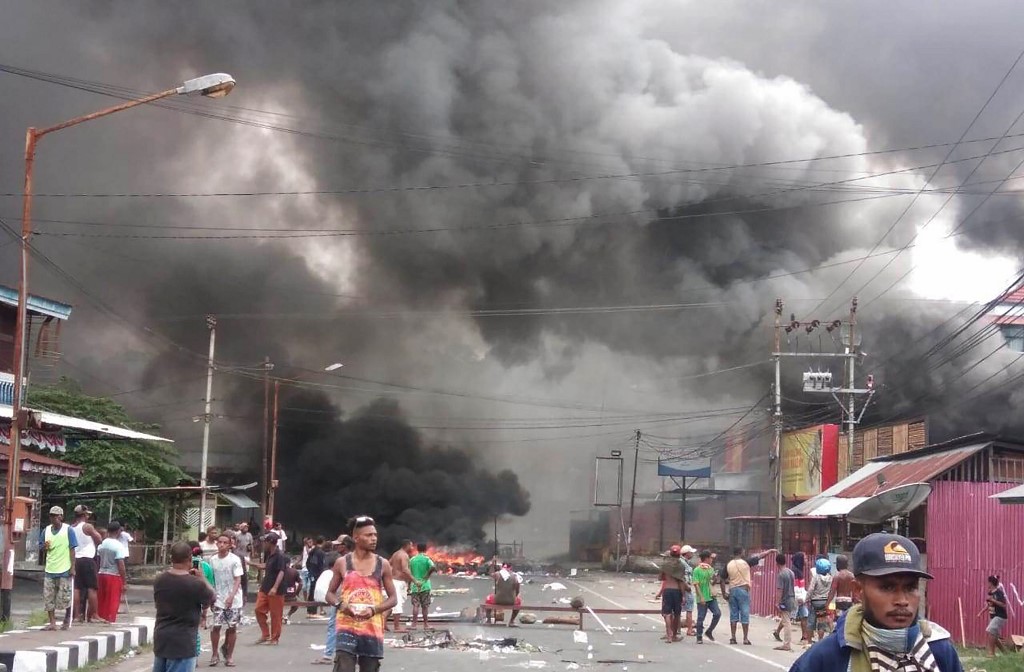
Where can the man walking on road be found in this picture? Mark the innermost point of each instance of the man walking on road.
(844, 585)
(884, 631)
(181, 600)
(785, 598)
(737, 586)
(703, 574)
(673, 585)
(86, 579)
(402, 578)
(227, 608)
(270, 599)
(362, 589)
(58, 540)
(420, 567)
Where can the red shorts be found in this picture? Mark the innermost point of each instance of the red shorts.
(490, 600)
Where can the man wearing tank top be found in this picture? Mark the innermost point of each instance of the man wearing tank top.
(363, 590)
(86, 576)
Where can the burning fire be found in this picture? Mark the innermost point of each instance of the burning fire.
(453, 560)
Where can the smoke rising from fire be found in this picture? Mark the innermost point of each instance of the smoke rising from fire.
(537, 105)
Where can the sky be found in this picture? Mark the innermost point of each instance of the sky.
(535, 227)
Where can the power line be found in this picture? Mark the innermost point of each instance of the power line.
(944, 162)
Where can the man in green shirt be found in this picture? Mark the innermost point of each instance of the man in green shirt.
(420, 567)
(702, 576)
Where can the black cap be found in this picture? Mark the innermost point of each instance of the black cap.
(272, 537)
(883, 554)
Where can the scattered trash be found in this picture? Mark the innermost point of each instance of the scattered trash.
(579, 637)
(572, 572)
(572, 666)
(317, 647)
(553, 586)
(527, 619)
(618, 643)
(449, 591)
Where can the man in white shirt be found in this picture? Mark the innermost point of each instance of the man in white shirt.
(227, 608)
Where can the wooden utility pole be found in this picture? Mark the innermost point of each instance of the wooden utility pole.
(265, 481)
(273, 451)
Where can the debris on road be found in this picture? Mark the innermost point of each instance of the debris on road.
(444, 639)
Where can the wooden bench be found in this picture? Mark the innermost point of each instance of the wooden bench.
(574, 610)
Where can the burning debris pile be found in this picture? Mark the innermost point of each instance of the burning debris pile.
(456, 562)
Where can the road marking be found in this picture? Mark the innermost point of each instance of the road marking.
(655, 620)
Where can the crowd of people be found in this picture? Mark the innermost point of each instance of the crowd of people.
(84, 572)
(359, 589)
(863, 614)
(875, 624)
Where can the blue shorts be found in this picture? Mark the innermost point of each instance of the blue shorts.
(688, 602)
(739, 605)
(174, 664)
(802, 611)
(671, 602)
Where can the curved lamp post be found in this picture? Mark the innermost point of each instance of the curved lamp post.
(216, 85)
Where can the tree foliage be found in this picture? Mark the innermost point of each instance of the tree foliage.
(110, 464)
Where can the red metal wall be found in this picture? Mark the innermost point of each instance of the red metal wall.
(970, 537)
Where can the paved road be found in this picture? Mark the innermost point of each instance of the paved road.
(633, 643)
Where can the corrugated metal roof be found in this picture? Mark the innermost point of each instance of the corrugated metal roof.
(840, 499)
(1011, 496)
(98, 430)
(903, 472)
(240, 500)
(36, 304)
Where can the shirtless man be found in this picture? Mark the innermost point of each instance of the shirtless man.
(363, 590)
(844, 585)
(402, 577)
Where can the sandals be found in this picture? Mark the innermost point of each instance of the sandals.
(229, 663)
(214, 662)
(322, 661)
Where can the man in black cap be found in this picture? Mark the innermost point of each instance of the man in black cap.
(884, 631)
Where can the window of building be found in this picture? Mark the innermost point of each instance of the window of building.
(1014, 335)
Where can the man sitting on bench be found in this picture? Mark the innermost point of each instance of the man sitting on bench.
(506, 593)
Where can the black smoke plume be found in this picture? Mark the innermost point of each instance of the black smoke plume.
(374, 463)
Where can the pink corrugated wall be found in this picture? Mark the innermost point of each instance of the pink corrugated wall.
(970, 537)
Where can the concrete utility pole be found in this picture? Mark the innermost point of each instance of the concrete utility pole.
(818, 381)
(632, 499)
(777, 421)
(211, 323)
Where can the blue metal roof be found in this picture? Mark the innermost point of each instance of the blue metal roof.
(36, 304)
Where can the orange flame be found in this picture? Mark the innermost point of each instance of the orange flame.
(453, 557)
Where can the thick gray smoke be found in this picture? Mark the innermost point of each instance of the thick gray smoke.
(594, 133)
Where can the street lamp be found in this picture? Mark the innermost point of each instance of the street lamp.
(216, 85)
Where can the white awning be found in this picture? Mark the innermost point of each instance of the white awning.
(85, 426)
(825, 506)
(1011, 496)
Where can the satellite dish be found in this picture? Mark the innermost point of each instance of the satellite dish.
(898, 501)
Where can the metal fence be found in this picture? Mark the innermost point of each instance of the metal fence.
(970, 537)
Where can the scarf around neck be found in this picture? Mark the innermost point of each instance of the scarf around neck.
(880, 650)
